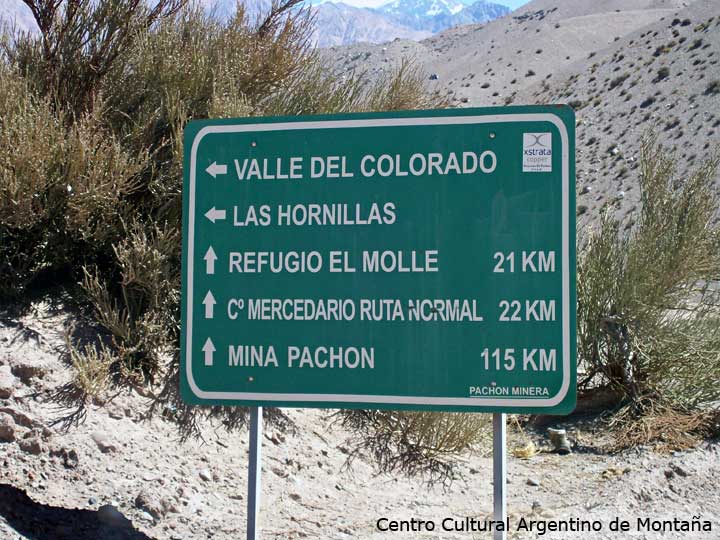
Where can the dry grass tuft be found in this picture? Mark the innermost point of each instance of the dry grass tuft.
(663, 427)
(422, 443)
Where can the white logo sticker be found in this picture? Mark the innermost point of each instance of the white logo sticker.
(537, 152)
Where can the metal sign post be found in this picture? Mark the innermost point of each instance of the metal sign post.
(499, 473)
(254, 471)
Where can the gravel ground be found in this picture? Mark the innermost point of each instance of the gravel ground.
(119, 476)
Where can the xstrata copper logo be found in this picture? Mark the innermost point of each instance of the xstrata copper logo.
(537, 152)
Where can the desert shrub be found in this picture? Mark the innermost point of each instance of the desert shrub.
(713, 88)
(649, 298)
(403, 89)
(696, 44)
(618, 81)
(310, 92)
(30, 144)
(137, 307)
(79, 42)
(415, 442)
(206, 67)
(647, 102)
(313, 92)
(662, 74)
(91, 120)
(62, 187)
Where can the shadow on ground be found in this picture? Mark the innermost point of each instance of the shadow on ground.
(38, 521)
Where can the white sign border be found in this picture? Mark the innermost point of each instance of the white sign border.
(376, 399)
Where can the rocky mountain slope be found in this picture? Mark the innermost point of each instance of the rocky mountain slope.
(338, 23)
(625, 66)
(664, 76)
(436, 15)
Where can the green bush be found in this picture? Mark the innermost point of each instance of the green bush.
(91, 120)
(62, 187)
(79, 42)
(649, 299)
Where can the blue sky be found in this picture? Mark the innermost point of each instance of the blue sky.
(512, 4)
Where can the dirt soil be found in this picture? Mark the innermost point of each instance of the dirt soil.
(118, 476)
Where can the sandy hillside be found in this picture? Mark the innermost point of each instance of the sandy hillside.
(119, 476)
(665, 75)
(487, 63)
(625, 66)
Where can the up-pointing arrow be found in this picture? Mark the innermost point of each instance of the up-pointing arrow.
(210, 259)
(214, 169)
(215, 214)
(208, 349)
(209, 303)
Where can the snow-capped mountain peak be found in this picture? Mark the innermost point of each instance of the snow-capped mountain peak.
(437, 15)
(338, 23)
(419, 8)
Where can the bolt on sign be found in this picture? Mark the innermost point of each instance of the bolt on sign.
(408, 260)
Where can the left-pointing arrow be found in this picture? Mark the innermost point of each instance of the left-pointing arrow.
(209, 303)
(214, 214)
(208, 349)
(214, 169)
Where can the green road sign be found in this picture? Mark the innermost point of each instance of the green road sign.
(418, 260)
